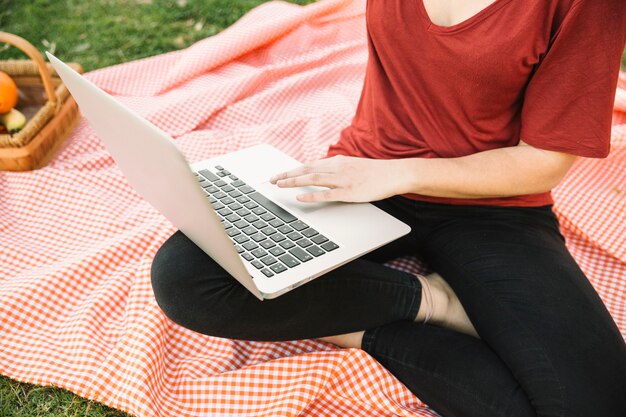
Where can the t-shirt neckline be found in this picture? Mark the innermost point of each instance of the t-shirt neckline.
(470, 21)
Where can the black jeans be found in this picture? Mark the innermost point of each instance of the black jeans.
(548, 345)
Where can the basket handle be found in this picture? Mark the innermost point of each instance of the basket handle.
(33, 54)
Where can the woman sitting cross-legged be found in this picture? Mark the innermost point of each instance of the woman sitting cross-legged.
(471, 112)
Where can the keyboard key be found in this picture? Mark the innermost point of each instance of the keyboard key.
(268, 231)
(212, 199)
(289, 260)
(240, 224)
(205, 184)
(285, 229)
(219, 195)
(227, 200)
(212, 189)
(278, 267)
(250, 245)
(224, 212)
(257, 264)
(268, 260)
(287, 244)
(233, 177)
(277, 237)
(257, 237)
(301, 254)
(239, 249)
(217, 205)
(208, 174)
(258, 210)
(267, 244)
(233, 217)
(226, 172)
(293, 236)
(246, 189)
(242, 212)
(233, 232)
(241, 238)
(306, 232)
(247, 256)
(259, 253)
(299, 225)
(303, 243)
(267, 272)
(276, 223)
(237, 183)
(276, 251)
(234, 206)
(328, 246)
(234, 194)
(249, 230)
(221, 174)
(251, 218)
(227, 225)
(242, 199)
(228, 188)
(315, 251)
(219, 167)
(250, 205)
(272, 207)
(259, 224)
(220, 183)
(319, 239)
(267, 217)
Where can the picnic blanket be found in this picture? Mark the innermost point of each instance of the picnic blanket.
(76, 242)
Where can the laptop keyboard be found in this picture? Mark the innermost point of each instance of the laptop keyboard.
(265, 235)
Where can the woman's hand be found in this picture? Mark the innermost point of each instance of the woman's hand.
(348, 178)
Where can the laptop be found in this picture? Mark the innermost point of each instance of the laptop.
(259, 233)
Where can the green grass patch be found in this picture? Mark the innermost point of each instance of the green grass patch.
(106, 32)
(27, 400)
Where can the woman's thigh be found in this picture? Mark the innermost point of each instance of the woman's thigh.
(195, 292)
(532, 304)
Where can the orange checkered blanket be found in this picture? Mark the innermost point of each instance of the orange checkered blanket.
(76, 242)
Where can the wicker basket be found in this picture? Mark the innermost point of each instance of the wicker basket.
(51, 117)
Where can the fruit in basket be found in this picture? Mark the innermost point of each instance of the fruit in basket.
(13, 121)
(8, 93)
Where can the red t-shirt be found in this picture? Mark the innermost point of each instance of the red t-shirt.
(542, 71)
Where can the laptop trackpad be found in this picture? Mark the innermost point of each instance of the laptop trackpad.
(286, 197)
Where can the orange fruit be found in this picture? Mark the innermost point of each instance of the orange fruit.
(8, 93)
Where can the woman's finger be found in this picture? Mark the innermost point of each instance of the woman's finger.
(288, 174)
(320, 179)
(321, 165)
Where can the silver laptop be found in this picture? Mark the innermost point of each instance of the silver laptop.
(266, 239)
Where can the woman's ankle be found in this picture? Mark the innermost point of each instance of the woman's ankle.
(347, 340)
(444, 306)
(435, 301)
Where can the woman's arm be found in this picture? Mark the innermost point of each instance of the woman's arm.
(502, 172)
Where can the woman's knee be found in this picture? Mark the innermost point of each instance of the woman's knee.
(187, 283)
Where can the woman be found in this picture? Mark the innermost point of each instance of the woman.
(471, 112)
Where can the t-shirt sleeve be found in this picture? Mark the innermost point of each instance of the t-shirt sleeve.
(568, 102)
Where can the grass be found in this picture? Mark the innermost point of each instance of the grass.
(106, 32)
(98, 34)
(26, 400)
